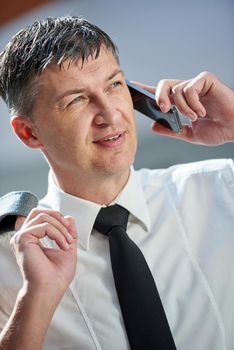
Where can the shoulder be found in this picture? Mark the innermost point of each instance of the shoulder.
(13, 204)
(202, 170)
(17, 203)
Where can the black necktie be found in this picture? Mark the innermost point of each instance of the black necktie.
(144, 317)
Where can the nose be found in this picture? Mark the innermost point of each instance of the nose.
(106, 111)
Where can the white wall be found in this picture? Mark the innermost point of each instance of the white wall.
(156, 39)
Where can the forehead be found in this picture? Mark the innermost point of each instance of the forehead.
(78, 71)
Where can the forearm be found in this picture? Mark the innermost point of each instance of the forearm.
(47, 273)
(29, 321)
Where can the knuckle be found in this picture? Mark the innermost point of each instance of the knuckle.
(188, 90)
(175, 90)
(51, 212)
(16, 239)
(162, 83)
(45, 226)
(42, 216)
(205, 74)
(39, 211)
(34, 211)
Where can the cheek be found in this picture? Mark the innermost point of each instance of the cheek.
(77, 135)
(128, 107)
(132, 117)
(72, 126)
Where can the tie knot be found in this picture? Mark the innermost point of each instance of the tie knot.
(111, 216)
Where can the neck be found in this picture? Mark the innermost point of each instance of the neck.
(101, 190)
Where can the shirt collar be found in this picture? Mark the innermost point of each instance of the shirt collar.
(133, 199)
(85, 212)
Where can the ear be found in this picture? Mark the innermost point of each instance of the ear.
(23, 128)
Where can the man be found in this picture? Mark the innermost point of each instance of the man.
(62, 82)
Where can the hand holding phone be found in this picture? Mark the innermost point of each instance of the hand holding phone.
(144, 102)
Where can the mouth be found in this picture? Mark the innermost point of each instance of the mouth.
(111, 140)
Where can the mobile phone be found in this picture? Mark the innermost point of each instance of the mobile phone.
(144, 102)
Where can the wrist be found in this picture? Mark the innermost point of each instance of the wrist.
(47, 294)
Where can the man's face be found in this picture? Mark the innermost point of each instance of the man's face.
(84, 119)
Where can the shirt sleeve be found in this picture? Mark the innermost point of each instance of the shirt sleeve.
(13, 204)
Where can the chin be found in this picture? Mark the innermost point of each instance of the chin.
(115, 167)
(121, 170)
(116, 164)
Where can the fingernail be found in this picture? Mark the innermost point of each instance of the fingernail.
(64, 220)
(201, 113)
(70, 238)
(193, 117)
(162, 106)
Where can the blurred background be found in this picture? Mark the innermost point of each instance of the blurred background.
(156, 39)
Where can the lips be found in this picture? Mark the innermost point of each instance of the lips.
(111, 140)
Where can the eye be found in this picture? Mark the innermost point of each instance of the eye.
(116, 84)
(77, 99)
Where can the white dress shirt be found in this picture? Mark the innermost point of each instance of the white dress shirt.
(182, 218)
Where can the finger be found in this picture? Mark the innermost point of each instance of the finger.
(149, 88)
(58, 221)
(186, 98)
(19, 222)
(186, 133)
(54, 213)
(163, 93)
(73, 231)
(180, 101)
(162, 130)
(71, 226)
(39, 215)
(33, 235)
(192, 97)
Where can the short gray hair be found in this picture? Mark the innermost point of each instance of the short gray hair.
(30, 51)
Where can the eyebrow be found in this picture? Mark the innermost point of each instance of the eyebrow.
(116, 72)
(78, 91)
(68, 93)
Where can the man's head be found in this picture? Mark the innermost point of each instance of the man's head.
(54, 40)
(62, 81)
